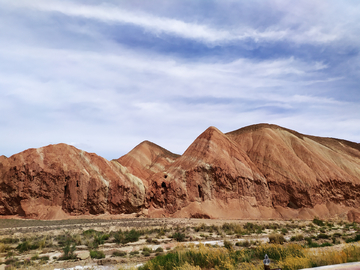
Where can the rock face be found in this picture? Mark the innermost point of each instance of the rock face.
(51, 181)
(261, 171)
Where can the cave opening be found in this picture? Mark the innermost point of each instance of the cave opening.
(201, 195)
(163, 185)
(292, 204)
(77, 183)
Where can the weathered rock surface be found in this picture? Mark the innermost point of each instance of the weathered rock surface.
(146, 159)
(260, 171)
(303, 171)
(51, 181)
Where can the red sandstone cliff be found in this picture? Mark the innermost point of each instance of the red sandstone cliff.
(51, 181)
(260, 171)
(146, 159)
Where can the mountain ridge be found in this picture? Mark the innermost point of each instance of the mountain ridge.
(259, 171)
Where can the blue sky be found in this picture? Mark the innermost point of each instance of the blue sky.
(105, 75)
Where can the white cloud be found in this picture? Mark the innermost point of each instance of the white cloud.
(105, 97)
(209, 34)
(88, 77)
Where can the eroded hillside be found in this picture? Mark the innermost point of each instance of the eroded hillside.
(261, 171)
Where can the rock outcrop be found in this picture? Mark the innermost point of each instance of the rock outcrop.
(261, 171)
(51, 181)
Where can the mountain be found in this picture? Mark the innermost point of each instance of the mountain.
(304, 172)
(56, 180)
(147, 159)
(257, 172)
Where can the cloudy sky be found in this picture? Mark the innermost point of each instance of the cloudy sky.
(106, 75)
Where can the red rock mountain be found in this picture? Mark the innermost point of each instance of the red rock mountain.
(261, 171)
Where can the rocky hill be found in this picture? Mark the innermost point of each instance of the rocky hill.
(257, 172)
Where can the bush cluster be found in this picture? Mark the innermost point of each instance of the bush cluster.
(288, 257)
(96, 254)
(127, 236)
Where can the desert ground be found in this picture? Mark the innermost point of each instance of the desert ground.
(131, 242)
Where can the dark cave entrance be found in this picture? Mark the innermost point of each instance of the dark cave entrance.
(201, 194)
(292, 204)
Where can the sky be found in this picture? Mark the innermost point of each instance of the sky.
(104, 76)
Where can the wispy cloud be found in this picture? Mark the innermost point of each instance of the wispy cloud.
(107, 76)
(158, 25)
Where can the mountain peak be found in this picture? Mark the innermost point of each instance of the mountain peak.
(259, 171)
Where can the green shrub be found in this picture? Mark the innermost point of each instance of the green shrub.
(125, 237)
(68, 250)
(318, 222)
(147, 249)
(96, 254)
(90, 232)
(214, 228)
(243, 244)
(26, 245)
(323, 236)
(312, 244)
(201, 227)
(277, 252)
(98, 240)
(180, 237)
(298, 237)
(135, 252)
(232, 228)
(355, 239)
(9, 240)
(119, 237)
(35, 257)
(65, 239)
(253, 228)
(276, 239)
(161, 232)
(159, 249)
(132, 236)
(119, 253)
(228, 244)
(205, 258)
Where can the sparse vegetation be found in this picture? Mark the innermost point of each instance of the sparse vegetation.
(298, 237)
(119, 254)
(228, 244)
(178, 236)
(96, 254)
(318, 222)
(290, 256)
(68, 249)
(277, 239)
(244, 253)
